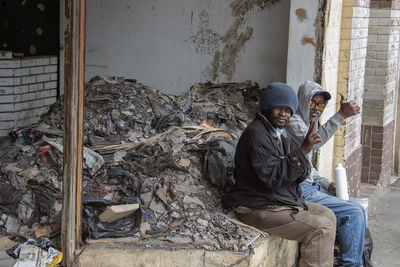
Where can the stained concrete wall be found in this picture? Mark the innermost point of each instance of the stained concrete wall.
(302, 42)
(172, 44)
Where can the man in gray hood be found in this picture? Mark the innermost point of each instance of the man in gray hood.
(350, 215)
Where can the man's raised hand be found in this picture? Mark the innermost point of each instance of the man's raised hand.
(311, 139)
(348, 108)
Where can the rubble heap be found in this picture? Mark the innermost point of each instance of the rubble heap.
(141, 146)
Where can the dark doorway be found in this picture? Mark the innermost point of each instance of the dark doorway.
(30, 26)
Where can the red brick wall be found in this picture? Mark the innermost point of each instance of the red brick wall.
(353, 172)
(377, 154)
(393, 4)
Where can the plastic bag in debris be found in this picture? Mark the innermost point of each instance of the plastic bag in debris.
(92, 226)
(36, 253)
(219, 162)
(93, 160)
(10, 198)
(54, 257)
(174, 118)
(368, 246)
(25, 136)
(31, 255)
(45, 196)
(42, 242)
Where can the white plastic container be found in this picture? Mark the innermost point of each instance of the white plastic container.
(341, 182)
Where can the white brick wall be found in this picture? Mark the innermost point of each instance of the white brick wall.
(352, 68)
(28, 86)
(380, 77)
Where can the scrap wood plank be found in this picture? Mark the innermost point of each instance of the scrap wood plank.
(157, 138)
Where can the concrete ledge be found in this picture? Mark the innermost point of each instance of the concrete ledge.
(269, 251)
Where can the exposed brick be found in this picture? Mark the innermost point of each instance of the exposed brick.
(43, 61)
(376, 137)
(22, 72)
(28, 79)
(42, 94)
(6, 99)
(6, 116)
(6, 90)
(17, 98)
(43, 78)
(35, 87)
(51, 68)
(377, 144)
(377, 129)
(49, 101)
(53, 76)
(28, 97)
(28, 62)
(5, 125)
(367, 132)
(53, 60)
(37, 70)
(22, 114)
(17, 81)
(21, 89)
(53, 92)
(365, 174)
(50, 85)
(6, 72)
(6, 81)
(5, 64)
(376, 161)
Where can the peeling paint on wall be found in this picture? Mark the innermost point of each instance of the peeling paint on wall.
(301, 14)
(241, 7)
(234, 41)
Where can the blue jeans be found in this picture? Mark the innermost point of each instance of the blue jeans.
(350, 222)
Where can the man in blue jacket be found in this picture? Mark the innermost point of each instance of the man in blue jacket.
(268, 172)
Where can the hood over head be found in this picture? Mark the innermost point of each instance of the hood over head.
(306, 92)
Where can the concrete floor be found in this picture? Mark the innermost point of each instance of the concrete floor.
(384, 225)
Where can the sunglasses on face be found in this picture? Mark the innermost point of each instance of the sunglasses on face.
(315, 105)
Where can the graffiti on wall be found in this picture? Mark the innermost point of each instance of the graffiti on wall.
(206, 40)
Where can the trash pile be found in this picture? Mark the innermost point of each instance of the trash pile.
(155, 166)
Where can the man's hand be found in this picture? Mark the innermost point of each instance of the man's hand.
(311, 139)
(348, 108)
(332, 188)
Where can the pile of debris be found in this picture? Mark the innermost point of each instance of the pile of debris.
(172, 155)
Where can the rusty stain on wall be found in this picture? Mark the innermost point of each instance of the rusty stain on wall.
(301, 14)
(308, 40)
(224, 62)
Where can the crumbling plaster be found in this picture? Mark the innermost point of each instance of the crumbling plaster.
(171, 45)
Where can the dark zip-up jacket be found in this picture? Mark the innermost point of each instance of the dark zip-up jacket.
(267, 171)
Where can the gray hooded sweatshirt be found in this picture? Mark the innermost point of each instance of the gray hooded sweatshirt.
(298, 125)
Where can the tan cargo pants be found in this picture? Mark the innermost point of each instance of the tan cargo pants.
(314, 228)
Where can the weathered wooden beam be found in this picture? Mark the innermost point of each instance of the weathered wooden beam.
(74, 70)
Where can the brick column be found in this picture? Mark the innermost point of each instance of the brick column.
(352, 57)
(380, 86)
(28, 86)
